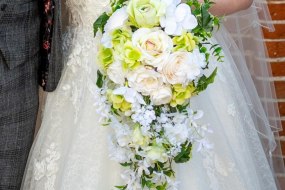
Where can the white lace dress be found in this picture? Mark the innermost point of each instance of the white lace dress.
(70, 151)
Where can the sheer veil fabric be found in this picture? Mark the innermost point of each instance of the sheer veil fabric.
(245, 29)
(71, 149)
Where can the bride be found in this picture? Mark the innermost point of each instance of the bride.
(71, 149)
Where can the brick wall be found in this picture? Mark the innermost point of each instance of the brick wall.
(276, 47)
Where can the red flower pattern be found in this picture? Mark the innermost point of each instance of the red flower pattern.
(46, 34)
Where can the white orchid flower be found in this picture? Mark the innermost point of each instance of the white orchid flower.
(117, 20)
(130, 95)
(178, 19)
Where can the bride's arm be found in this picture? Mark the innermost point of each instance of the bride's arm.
(225, 7)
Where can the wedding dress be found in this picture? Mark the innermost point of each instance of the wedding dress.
(71, 149)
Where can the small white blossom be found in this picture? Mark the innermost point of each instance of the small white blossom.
(158, 177)
(176, 134)
(174, 151)
(162, 118)
(143, 166)
(144, 115)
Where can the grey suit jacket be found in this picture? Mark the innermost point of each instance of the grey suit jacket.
(16, 37)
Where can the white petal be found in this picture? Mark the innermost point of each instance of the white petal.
(190, 22)
(171, 2)
(182, 11)
(162, 21)
(120, 91)
(170, 12)
(107, 40)
(130, 95)
(140, 99)
(117, 19)
(178, 31)
(170, 26)
(139, 34)
(167, 2)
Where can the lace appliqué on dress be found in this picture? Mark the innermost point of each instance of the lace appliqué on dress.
(47, 167)
(232, 110)
(220, 170)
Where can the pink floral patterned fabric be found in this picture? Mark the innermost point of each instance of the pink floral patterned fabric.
(46, 39)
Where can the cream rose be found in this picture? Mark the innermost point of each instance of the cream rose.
(116, 74)
(181, 68)
(161, 96)
(154, 44)
(145, 80)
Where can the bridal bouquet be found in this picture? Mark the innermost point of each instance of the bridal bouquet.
(152, 57)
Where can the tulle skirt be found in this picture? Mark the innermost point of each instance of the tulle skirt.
(71, 149)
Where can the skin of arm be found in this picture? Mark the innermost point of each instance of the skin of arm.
(226, 7)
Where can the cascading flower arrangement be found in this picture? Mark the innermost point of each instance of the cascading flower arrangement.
(152, 58)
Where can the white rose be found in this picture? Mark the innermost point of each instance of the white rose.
(156, 153)
(181, 68)
(117, 20)
(154, 44)
(161, 96)
(115, 73)
(145, 80)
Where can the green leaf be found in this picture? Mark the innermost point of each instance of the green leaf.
(149, 184)
(205, 81)
(206, 19)
(117, 4)
(182, 108)
(100, 23)
(162, 187)
(169, 173)
(100, 79)
(122, 187)
(185, 154)
(203, 50)
(146, 182)
(217, 51)
(126, 164)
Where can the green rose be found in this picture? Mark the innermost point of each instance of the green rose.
(185, 42)
(131, 56)
(120, 37)
(146, 13)
(106, 57)
(119, 102)
(181, 94)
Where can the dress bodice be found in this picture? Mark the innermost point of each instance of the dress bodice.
(83, 13)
